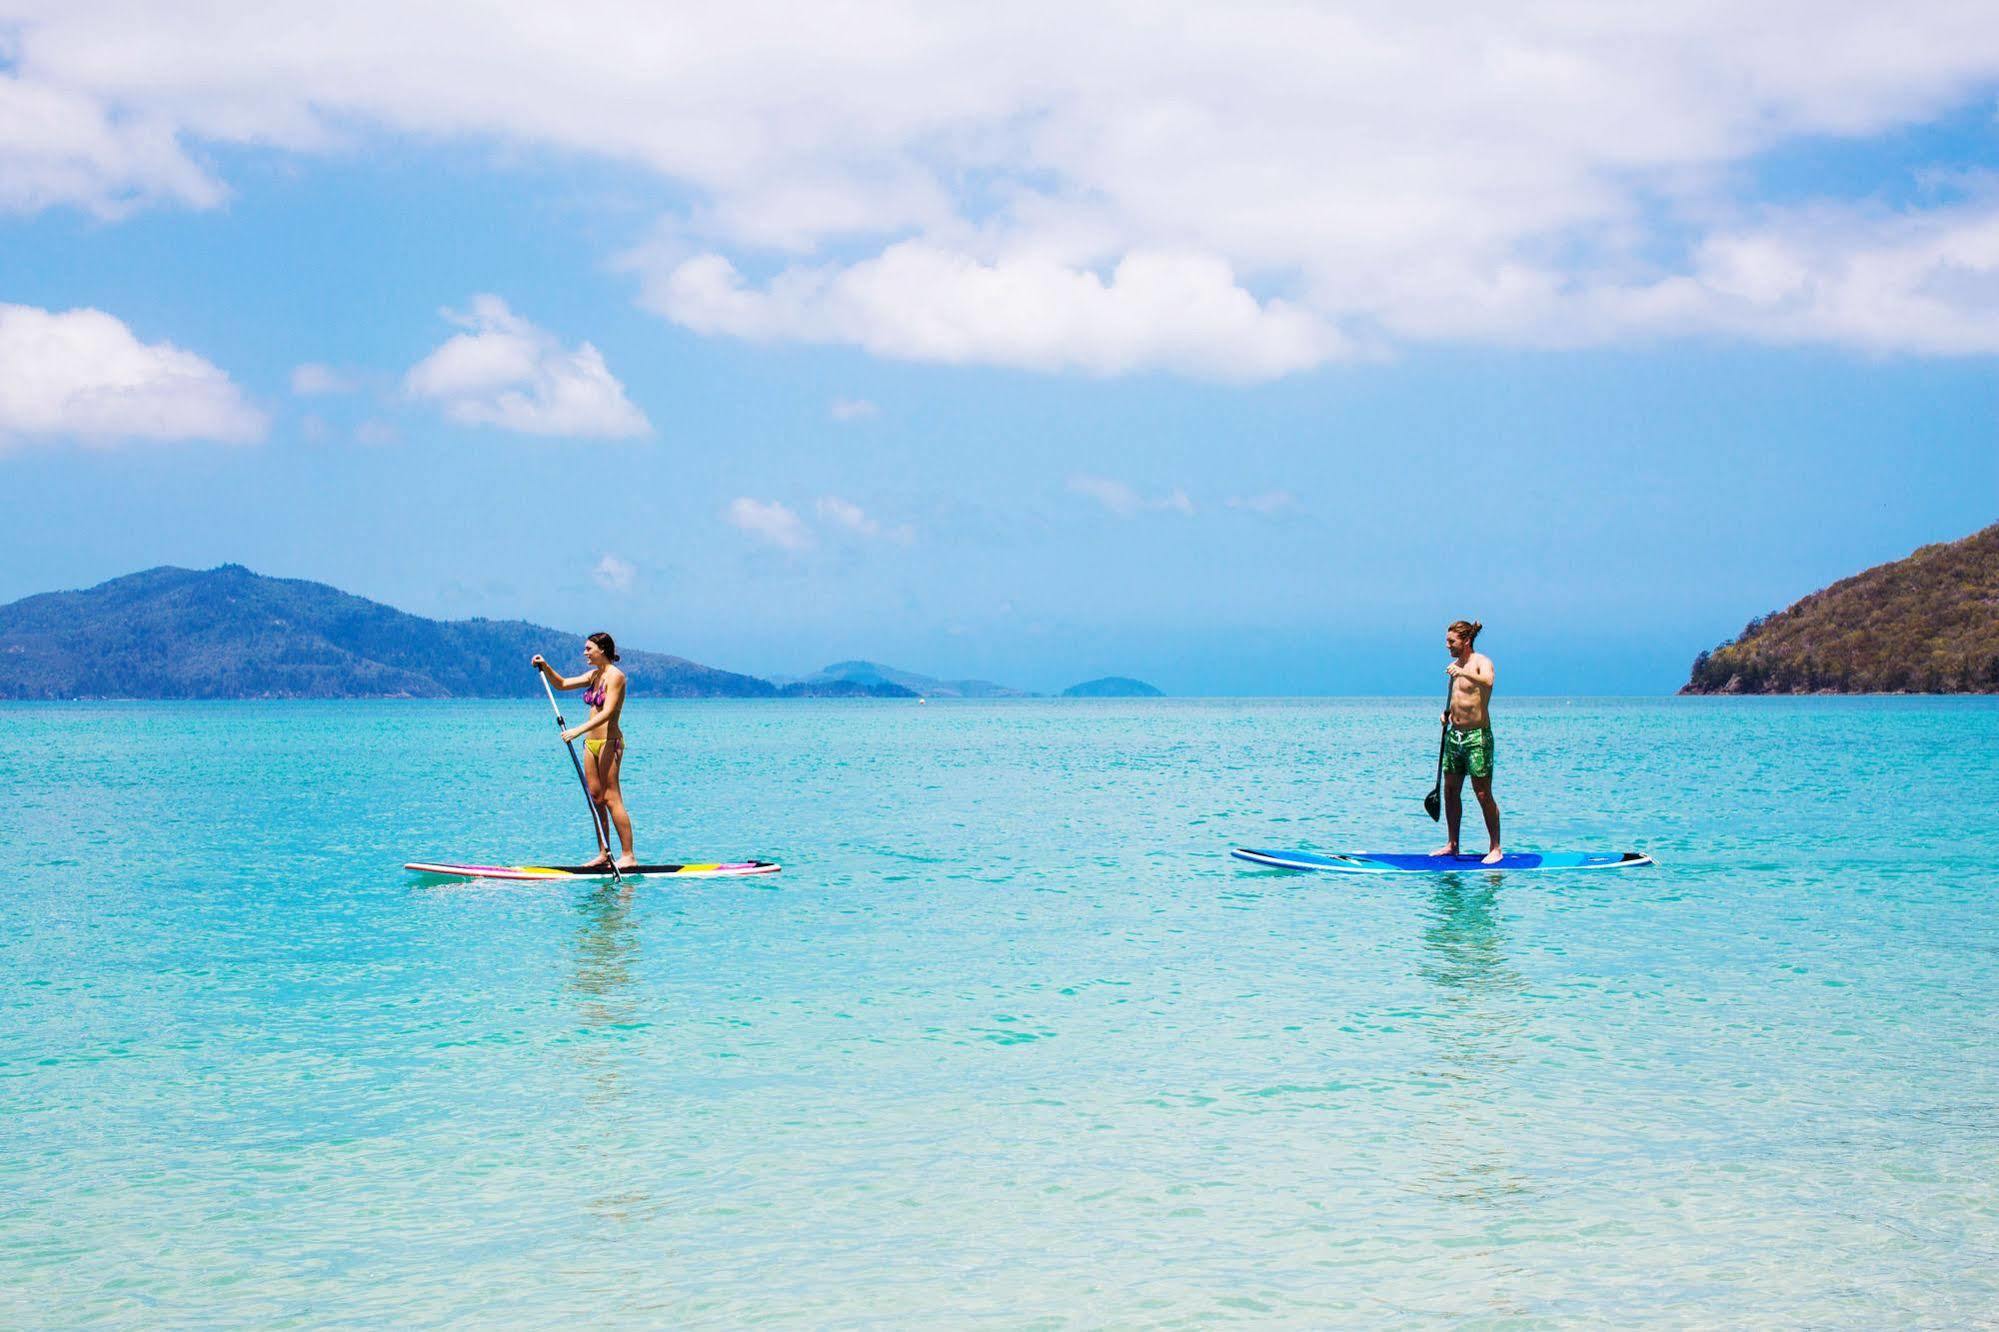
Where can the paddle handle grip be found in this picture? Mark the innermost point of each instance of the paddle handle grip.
(549, 689)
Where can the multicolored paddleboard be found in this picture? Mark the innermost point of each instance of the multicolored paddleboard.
(1392, 863)
(712, 870)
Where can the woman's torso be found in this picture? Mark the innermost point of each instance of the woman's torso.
(597, 695)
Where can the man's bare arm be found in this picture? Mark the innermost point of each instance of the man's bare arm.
(1477, 669)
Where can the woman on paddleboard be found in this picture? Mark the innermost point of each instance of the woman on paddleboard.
(603, 687)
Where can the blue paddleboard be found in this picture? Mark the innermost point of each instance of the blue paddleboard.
(1393, 863)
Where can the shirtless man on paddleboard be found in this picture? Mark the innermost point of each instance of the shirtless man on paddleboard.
(1468, 736)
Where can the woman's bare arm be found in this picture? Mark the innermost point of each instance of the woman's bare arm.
(560, 681)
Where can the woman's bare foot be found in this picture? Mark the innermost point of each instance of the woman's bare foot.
(628, 862)
(602, 861)
(1448, 850)
(1492, 857)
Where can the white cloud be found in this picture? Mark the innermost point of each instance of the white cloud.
(82, 374)
(771, 522)
(613, 574)
(313, 380)
(850, 517)
(506, 372)
(852, 409)
(1236, 191)
(917, 301)
(69, 145)
(1267, 502)
(1125, 502)
(1865, 278)
(1116, 496)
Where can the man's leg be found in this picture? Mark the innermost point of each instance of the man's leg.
(1482, 788)
(1454, 811)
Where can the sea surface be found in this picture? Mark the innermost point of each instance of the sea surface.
(1011, 1040)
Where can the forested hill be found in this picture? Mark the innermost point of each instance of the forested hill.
(231, 633)
(1926, 624)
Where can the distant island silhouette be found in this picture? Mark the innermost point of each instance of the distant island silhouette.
(1926, 624)
(1112, 686)
(907, 684)
(227, 632)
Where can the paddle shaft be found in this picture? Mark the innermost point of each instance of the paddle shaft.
(1443, 740)
(597, 820)
(1433, 803)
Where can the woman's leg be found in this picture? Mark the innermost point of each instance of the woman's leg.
(614, 800)
(593, 781)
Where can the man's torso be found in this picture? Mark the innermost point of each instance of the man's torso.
(1470, 700)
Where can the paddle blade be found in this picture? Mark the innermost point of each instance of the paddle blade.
(1433, 805)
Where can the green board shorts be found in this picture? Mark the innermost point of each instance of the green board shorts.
(1468, 750)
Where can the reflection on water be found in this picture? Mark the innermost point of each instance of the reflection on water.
(607, 953)
(1464, 948)
(1477, 1029)
(606, 947)
(606, 965)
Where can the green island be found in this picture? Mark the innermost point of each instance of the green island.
(1926, 624)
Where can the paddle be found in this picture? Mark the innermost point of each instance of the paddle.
(1433, 803)
(596, 816)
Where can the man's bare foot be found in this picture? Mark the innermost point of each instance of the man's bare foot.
(1492, 857)
(1450, 850)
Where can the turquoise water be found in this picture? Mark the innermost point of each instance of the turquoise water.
(1010, 1039)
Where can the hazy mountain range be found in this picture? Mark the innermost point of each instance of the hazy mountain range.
(910, 683)
(231, 633)
(1112, 686)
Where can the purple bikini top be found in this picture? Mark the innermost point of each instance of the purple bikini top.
(594, 696)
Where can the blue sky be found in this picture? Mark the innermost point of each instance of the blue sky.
(1241, 362)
